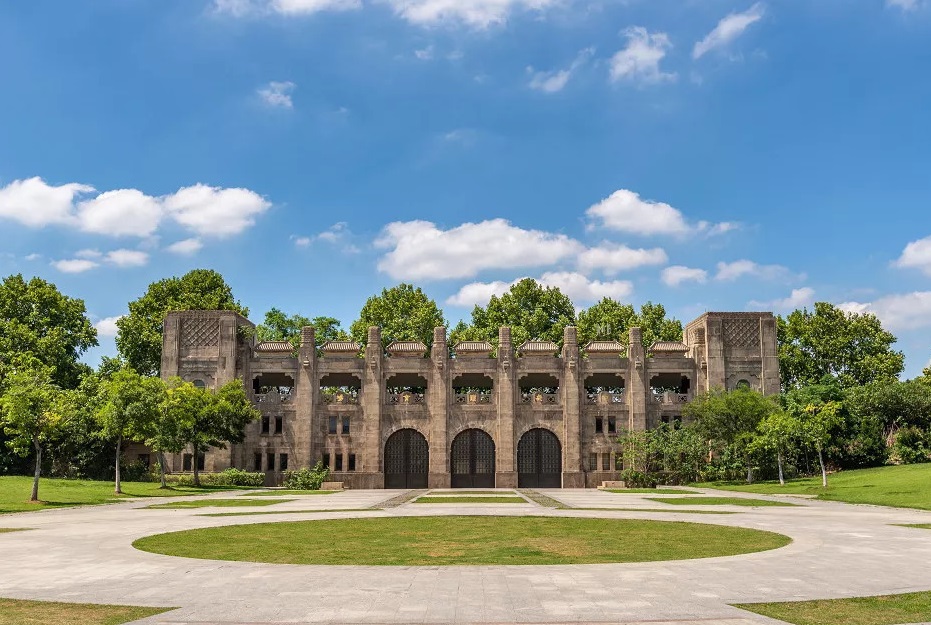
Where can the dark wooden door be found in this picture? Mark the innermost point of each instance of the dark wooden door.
(473, 460)
(539, 460)
(407, 460)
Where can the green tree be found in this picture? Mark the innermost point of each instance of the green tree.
(281, 327)
(819, 421)
(611, 320)
(165, 435)
(130, 405)
(404, 313)
(781, 432)
(894, 404)
(139, 335)
(37, 319)
(531, 310)
(852, 347)
(29, 412)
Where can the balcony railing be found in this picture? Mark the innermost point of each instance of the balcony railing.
(605, 398)
(406, 399)
(671, 398)
(473, 398)
(539, 399)
(272, 396)
(341, 399)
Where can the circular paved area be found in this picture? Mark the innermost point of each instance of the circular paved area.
(85, 555)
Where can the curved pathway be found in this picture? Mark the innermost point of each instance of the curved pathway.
(838, 550)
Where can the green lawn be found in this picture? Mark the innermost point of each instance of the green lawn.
(883, 610)
(664, 510)
(719, 501)
(274, 493)
(471, 499)
(286, 512)
(456, 493)
(216, 503)
(16, 612)
(55, 493)
(6, 530)
(650, 491)
(903, 486)
(464, 540)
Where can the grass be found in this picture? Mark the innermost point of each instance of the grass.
(16, 612)
(56, 493)
(921, 526)
(456, 493)
(650, 491)
(664, 510)
(216, 503)
(471, 499)
(275, 493)
(462, 540)
(719, 501)
(903, 486)
(7, 530)
(883, 610)
(286, 512)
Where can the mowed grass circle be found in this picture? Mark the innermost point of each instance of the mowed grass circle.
(462, 540)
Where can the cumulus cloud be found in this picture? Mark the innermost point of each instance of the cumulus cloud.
(185, 247)
(613, 259)
(212, 211)
(127, 258)
(728, 29)
(626, 211)
(244, 8)
(904, 311)
(916, 255)
(555, 81)
(278, 94)
(640, 61)
(34, 203)
(905, 5)
(337, 234)
(419, 250)
(124, 212)
(85, 260)
(473, 13)
(799, 298)
(74, 265)
(678, 274)
(478, 293)
(576, 286)
(728, 272)
(107, 326)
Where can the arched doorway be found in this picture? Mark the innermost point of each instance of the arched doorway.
(473, 460)
(407, 460)
(539, 460)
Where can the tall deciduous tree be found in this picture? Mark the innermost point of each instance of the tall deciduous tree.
(895, 404)
(139, 335)
(404, 313)
(36, 319)
(531, 310)
(611, 320)
(131, 404)
(851, 347)
(781, 432)
(29, 412)
(279, 326)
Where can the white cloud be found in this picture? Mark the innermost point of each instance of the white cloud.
(419, 250)
(625, 211)
(729, 272)
(677, 274)
(905, 311)
(474, 13)
(640, 60)
(186, 247)
(613, 259)
(88, 254)
(729, 29)
(33, 256)
(425, 54)
(905, 5)
(127, 258)
(581, 289)
(278, 94)
(799, 298)
(120, 213)
(212, 211)
(34, 203)
(301, 241)
(243, 8)
(554, 81)
(74, 265)
(478, 293)
(916, 255)
(107, 326)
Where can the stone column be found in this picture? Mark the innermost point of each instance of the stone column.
(506, 397)
(438, 409)
(171, 346)
(226, 351)
(638, 384)
(373, 401)
(770, 374)
(714, 338)
(307, 431)
(571, 399)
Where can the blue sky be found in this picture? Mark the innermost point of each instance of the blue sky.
(706, 154)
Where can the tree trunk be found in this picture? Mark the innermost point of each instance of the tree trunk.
(35, 482)
(119, 445)
(196, 463)
(749, 473)
(161, 466)
(782, 479)
(824, 471)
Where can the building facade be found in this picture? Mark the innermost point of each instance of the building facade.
(466, 415)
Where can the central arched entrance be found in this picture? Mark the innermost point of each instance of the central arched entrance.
(407, 460)
(473, 460)
(539, 460)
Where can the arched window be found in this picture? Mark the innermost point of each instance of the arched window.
(743, 385)
(200, 384)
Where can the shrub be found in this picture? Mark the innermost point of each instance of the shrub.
(638, 479)
(306, 479)
(910, 446)
(228, 477)
(135, 471)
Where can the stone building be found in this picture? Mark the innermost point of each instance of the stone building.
(466, 415)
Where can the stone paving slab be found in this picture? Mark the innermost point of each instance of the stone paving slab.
(85, 555)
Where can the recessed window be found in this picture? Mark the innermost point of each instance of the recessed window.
(279, 425)
(339, 462)
(599, 425)
(187, 462)
(352, 462)
(743, 385)
(592, 462)
(326, 460)
(265, 422)
(333, 423)
(257, 462)
(199, 384)
(345, 425)
(283, 462)
(612, 425)
(606, 462)
(200, 461)
(270, 461)
(665, 419)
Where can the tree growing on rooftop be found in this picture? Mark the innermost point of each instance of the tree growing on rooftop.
(279, 326)
(610, 320)
(403, 312)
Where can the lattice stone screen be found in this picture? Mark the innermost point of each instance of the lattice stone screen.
(200, 332)
(742, 332)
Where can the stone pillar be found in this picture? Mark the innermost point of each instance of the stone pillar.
(571, 398)
(638, 385)
(373, 401)
(506, 397)
(227, 349)
(769, 348)
(307, 432)
(171, 346)
(714, 338)
(438, 409)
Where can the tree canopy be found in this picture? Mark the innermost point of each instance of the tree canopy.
(38, 320)
(279, 326)
(851, 347)
(403, 312)
(139, 336)
(611, 320)
(531, 310)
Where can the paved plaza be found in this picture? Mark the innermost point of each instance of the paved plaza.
(838, 550)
